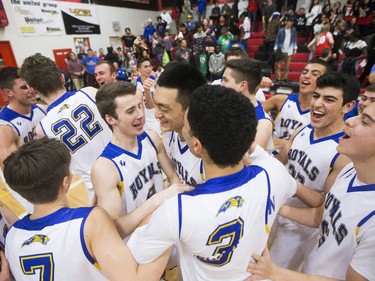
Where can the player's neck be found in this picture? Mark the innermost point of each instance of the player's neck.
(144, 77)
(125, 142)
(20, 108)
(211, 170)
(45, 209)
(364, 174)
(304, 101)
(330, 130)
(251, 97)
(53, 96)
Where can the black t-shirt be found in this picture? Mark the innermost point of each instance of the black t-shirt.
(128, 40)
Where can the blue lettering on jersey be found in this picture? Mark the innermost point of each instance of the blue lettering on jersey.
(339, 230)
(305, 162)
(290, 124)
(30, 135)
(144, 176)
(183, 174)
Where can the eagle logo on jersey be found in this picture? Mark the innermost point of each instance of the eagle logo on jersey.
(65, 106)
(235, 201)
(42, 239)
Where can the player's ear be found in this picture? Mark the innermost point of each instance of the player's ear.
(66, 182)
(197, 146)
(7, 92)
(348, 106)
(109, 119)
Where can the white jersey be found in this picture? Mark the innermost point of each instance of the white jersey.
(4, 226)
(75, 120)
(140, 173)
(347, 231)
(189, 168)
(151, 122)
(290, 118)
(22, 124)
(217, 226)
(51, 248)
(310, 160)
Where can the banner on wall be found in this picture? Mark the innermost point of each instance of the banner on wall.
(79, 18)
(37, 17)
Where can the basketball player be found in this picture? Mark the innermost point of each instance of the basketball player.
(56, 242)
(128, 172)
(235, 202)
(145, 84)
(312, 159)
(172, 98)
(244, 75)
(293, 111)
(365, 99)
(344, 249)
(18, 119)
(71, 117)
(105, 72)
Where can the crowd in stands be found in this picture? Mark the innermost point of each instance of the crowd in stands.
(339, 34)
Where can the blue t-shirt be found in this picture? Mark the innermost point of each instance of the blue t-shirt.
(90, 63)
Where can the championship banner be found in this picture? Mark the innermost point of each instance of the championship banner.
(34, 17)
(79, 18)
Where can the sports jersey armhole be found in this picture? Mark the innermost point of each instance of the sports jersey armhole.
(269, 205)
(118, 169)
(83, 242)
(87, 95)
(179, 215)
(281, 108)
(333, 161)
(10, 124)
(152, 143)
(41, 126)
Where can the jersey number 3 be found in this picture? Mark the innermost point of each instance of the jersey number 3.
(42, 263)
(223, 253)
(67, 130)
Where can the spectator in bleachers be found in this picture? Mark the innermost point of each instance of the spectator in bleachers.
(201, 9)
(237, 43)
(215, 12)
(210, 44)
(216, 64)
(349, 10)
(76, 70)
(187, 35)
(89, 63)
(121, 75)
(101, 54)
(323, 40)
(222, 23)
(184, 54)
(301, 19)
(327, 10)
(314, 10)
(225, 39)
(371, 77)
(253, 10)
(184, 15)
(167, 19)
(130, 61)
(336, 13)
(201, 60)
(269, 40)
(286, 39)
(199, 36)
(111, 55)
(208, 26)
(355, 50)
(168, 44)
(245, 29)
(128, 40)
(226, 9)
(148, 31)
(161, 26)
(157, 48)
(190, 24)
(242, 7)
(365, 11)
(352, 26)
(267, 11)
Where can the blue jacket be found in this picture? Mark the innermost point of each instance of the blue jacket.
(201, 5)
(281, 37)
(149, 31)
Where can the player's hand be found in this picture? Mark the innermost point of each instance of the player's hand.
(263, 268)
(4, 273)
(148, 84)
(179, 188)
(266, 82)
(279, 143)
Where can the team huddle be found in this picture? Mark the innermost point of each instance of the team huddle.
(181, 173)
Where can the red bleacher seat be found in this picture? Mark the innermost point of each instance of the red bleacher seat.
(255, 41)
(257, 35)
(300, 57)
